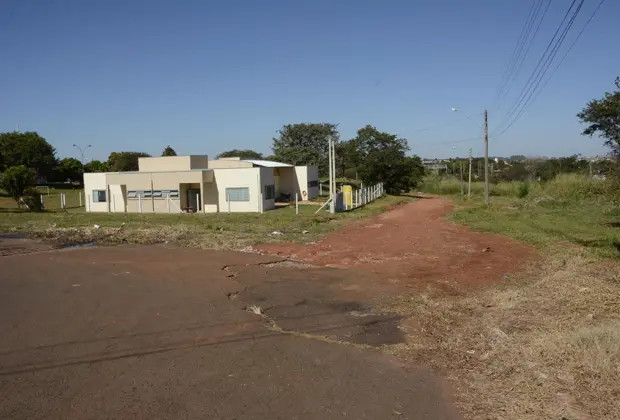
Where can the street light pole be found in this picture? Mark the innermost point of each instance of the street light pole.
(81, 154)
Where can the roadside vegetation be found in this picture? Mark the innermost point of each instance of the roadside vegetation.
(213, 231)
(544, 343)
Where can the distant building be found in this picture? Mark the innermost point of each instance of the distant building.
(174, 184)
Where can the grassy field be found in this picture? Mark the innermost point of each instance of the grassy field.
(222, 231)
(546, 343)
(51, 201)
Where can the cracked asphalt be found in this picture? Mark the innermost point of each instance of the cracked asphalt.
(158, 332)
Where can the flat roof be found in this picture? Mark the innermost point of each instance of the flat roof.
(148, 172)
(268, 163)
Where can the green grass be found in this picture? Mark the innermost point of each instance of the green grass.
(201, 230)
(594, 225)
(51, 201)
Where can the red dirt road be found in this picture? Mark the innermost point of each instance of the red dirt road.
(413, 245)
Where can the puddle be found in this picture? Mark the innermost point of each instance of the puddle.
(13, 236)
(81, 245)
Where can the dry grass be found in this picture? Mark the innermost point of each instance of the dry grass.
(543, 346)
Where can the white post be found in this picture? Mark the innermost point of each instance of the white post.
(88, 202)
(296, 205)
(331, 192)
(228, 197)
(261, 204)
(80, 194)
(168, 203)
(62, 206)
(139, 203)
(113, 204)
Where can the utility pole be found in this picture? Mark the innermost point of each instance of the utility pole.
(469, 182)
(462, 186)
(486, 157)
(331, 180)
(479, 168)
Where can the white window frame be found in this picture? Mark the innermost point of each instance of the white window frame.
(230, 191)
(96, 196)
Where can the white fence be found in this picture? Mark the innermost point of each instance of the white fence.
(349, 200)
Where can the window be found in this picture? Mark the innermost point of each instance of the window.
(238, 194)
(270, 192)
(99, 196)
(154, 194)
(313, 184)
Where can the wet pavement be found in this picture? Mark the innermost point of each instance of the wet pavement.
(157, 332)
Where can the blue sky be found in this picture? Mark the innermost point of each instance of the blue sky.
(207, 76)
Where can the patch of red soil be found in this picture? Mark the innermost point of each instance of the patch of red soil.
(414, 245)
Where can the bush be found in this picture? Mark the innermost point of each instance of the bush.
(524, 190)
(32, 198)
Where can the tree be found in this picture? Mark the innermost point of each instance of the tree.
(383, 159)
(348, 158)
(16, 180)
(96, 166)
(603, 117)
(27, 149)
(243, 154)
(305, 144)
(169, 151)
(70, 168)
(125, 161)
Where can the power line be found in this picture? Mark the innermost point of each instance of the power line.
(524, 56)
(555, 70)
(514, 53)
(517, 57)
(541, 68)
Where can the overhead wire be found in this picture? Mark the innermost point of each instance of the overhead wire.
(519, 66)
(516, 54)
(540, 69)
(555, 70)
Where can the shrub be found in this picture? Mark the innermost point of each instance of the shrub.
(524, 190)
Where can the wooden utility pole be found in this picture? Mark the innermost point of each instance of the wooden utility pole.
(469, 181)
(486, 157)
(462, 186)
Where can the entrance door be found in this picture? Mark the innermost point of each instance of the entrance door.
(193, 199)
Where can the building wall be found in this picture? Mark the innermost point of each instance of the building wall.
(235, 178)
(173, 163)
(95, 181)
(267, 178)
(306, 174)
(228, 163)
(198, 162)
(313, 176)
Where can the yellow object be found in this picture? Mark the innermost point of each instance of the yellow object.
(347, 193)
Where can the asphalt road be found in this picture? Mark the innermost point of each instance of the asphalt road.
(157, 332)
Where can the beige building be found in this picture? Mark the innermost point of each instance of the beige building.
(174, 184)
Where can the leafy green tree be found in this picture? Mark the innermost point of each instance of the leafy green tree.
(243, 154)
(70, 169)
(125, 161)
(348, 158)
(16, 180)
(603, 119)
(27, 149)
(305, 144)
(383, 159)
(96, 166)
(169, 151)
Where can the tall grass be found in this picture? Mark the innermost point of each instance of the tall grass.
(565, 187)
